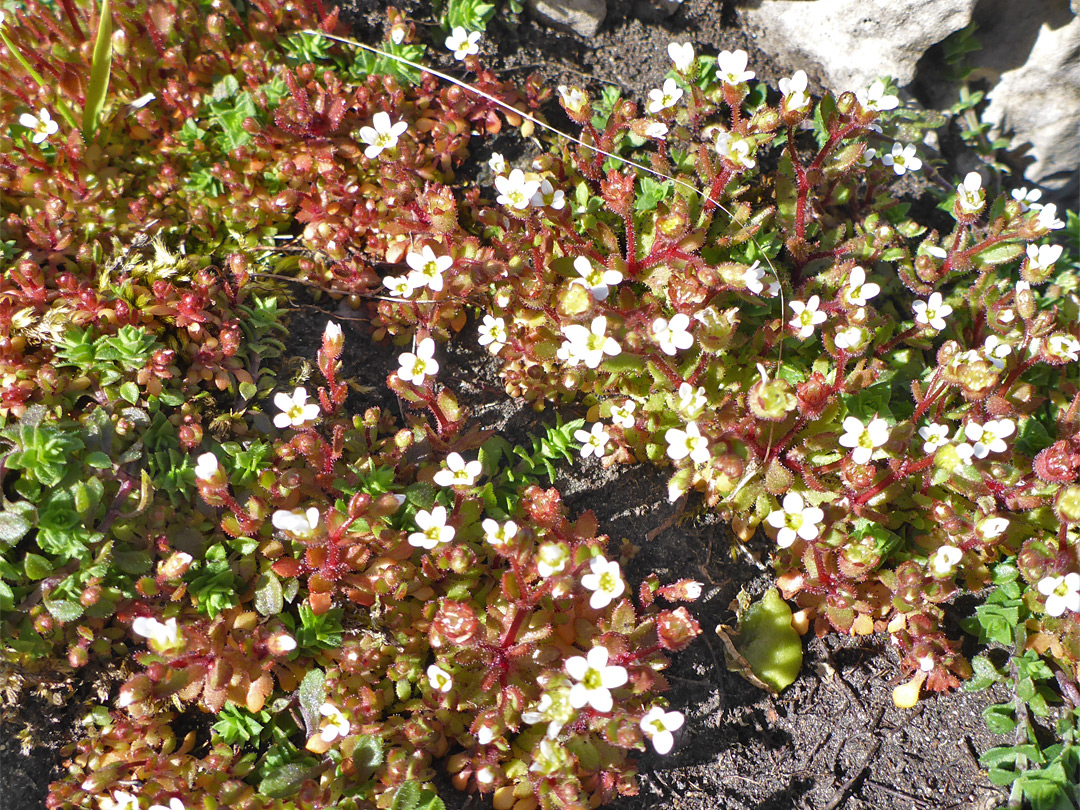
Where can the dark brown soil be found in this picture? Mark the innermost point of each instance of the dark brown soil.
(833, 740)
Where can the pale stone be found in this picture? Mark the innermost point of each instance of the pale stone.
(580, 16)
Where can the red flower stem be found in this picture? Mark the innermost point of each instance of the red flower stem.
(906, 470)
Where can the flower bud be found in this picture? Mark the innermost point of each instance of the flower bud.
(1067, 504)
(772, 400)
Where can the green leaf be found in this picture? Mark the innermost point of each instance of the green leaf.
(130, 392)
(1033, 438)
(269, 600)
(14, 525)
(407, 796)
(312, 694)
(286, 780)
(64, 610)
(100, 70)
(769, 643)
(368, 752)
(97, 460)
(999, 254)
(36, 567)
(999, 718)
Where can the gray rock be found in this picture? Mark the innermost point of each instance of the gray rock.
(656, 10)
(851, 42)
(580, 16)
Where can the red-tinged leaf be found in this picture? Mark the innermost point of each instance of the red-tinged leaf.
(676, 629)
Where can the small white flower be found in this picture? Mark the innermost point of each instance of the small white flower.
(935, 435)
(120, 800)
(42, 125)
(902, 159)
(497, 163)
(989, 438)
(735, 149)
(866, 159)
(874, 98)
(161, 635)
(206, 466)
(589, 345)
(944, 560)
(594, 442)
(969, 194)
(499, 534)
(657, 725)
(682, 55)
(594, 679)
(433, 529)
(690, 402)
(1042, 257)
(458, 473)
(397, 34)
(996, 351)
(1062, 593)
(668, 96)
(807, 316)
(493, 334)
(656, 129)
(858, 291)
(1047, 219)
(515, 191)
(332, 332)
(795, 519)
(295, 409)
(336, 723)
(864, 439)
(427, 268)
(689, 442)
(298, 522)
(596, 280)
(990, 527)
(623, 415)
(416, 367)
(731, 67)
(851, 339)
(672, 335)
(384, 135)
(548, 197)
(540, 713)
(1064, 347)
(938, 253)
(1028, 198)
(399, 286)
(932, 312)
(439, 679)
(604, 581)
(463, 43)
(551, 558)
(752, 278)
(174, 804)
(572, 98)
(794, 90)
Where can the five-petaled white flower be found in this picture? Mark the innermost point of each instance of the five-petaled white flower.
(572, 98)
(932, 312)
(623, 415)
(682, 55)
(605, 582)
(594, 679)
(902, 158)
(866, 159)
(1062, 593)
(794, 90)
(427, 268)
(296, 411)
(120, 800)
(463, 43)
(174, 804)
(689, 401)
(336, 723)
(673, 335)
(399, 286)
(858, 291)
(990, 527)
(596, 280)
(416, 367)
(667, 96)
(1042, 257)
(735, 149)
(851, 339)
(1047, 218)
(944, 560)
(934, 436)
(499, 534)
(1063, 347)
(795, 519)
(589, 345)
(593, 442)
(298, 522)
(807, 316)
(689, 442)
(42, 125)
(731, 67)
(515, 191)
(497, 163)
(439, 679)
(969, 194)
(493, 333)
(161, 635)
(864, 439)
(989, 438)
(551, 558)
(1028, 198)
(206, 466)
(547, 196)
(457, 472)
(433, 529)
(874, 97)
(657, 725)
(383, 135)
(541, 712)
(996, 351)
(656, 129)
(753, 276)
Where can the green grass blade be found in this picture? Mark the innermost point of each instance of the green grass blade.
(100, 70)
